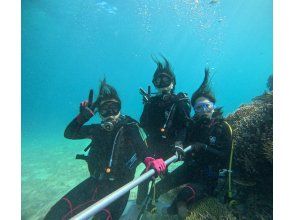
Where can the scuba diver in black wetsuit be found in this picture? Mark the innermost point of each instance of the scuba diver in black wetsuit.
(164, 118)
(117, 146)
(211, 140)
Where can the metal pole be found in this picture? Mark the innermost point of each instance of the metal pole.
(104, 202)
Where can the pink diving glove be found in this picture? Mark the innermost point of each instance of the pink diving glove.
(157, 164)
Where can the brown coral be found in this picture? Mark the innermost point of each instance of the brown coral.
(253, 137)
(253, 157)
(210, 209)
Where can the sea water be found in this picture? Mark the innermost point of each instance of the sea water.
(69, 46)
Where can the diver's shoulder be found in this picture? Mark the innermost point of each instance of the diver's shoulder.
(225, 123)
(154, 98)
(93, 128)
(128, 120)
(222, 123)
(219, 121)
(182, 96)
(96, 125)
(151, 101)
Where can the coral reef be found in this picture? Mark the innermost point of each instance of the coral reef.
(253, 138)
(210, 209)
(252, 125)
(270, 84)
(253, 157)
(252, 166)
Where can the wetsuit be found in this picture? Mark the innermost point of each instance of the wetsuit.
(200, 170)
(170, 112)
(125, 145)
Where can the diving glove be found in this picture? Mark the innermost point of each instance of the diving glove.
(179, 150)
(157, 164)
(86, 109)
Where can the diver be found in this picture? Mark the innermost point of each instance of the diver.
(164, 118)
(211, 139)
(117, 146)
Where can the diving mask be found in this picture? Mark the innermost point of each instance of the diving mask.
(163, 80)
(109, 108)
(204, 107)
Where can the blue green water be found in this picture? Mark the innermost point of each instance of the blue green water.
(68, 46)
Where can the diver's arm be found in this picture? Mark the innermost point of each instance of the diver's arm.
(222, 147)
(183, 111)
(224, 142)
(216, 152)
(76, 130)
(138, 140)
(140, 146)
(181, 135)
(144, 119)
(226, 139)
(196, 147)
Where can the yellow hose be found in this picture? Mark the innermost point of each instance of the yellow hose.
(230, 194)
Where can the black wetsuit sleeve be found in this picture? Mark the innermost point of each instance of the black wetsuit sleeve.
(224, 143)
(144, 119)
(76, 130)
(218, 153)
(183, 114)
(137, 140)
(181, 135)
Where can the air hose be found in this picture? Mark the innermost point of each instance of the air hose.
(230, 193)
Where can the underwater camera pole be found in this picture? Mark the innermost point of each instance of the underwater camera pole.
(106, 201)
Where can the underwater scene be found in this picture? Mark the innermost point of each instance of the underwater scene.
(136, 82)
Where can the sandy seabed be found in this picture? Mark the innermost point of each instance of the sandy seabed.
(49, 171)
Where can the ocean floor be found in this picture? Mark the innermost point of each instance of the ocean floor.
(50, 170)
